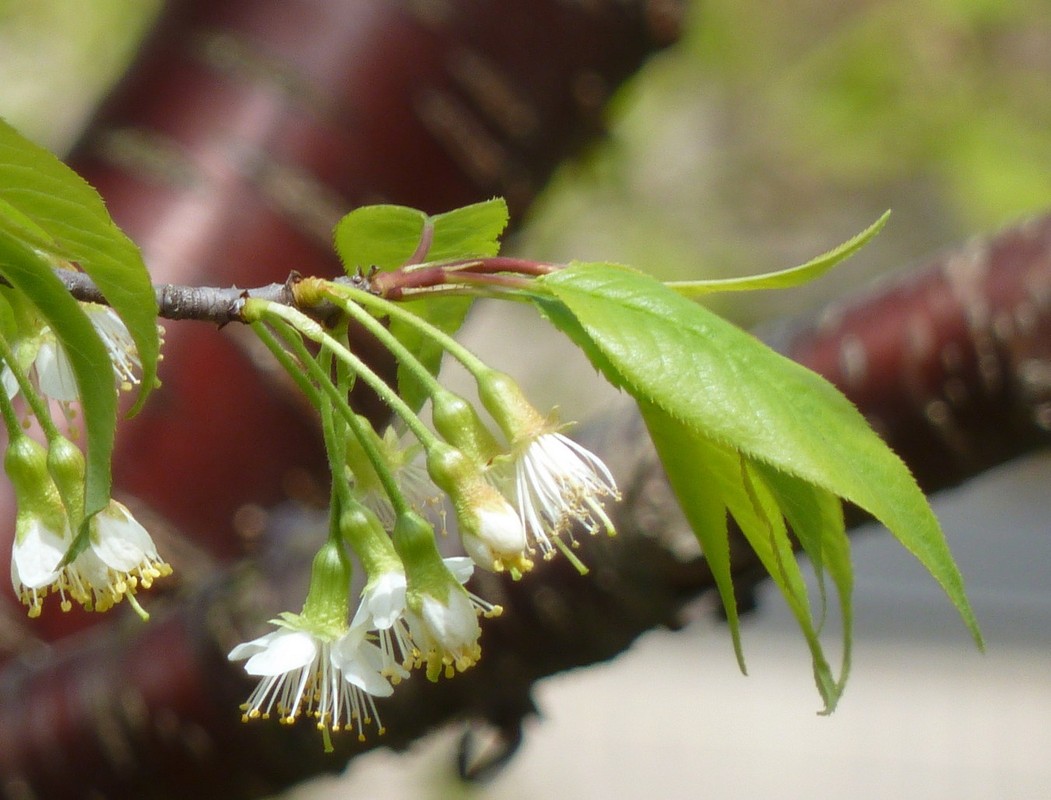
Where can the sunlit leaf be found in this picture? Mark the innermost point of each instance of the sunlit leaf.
(726, 385)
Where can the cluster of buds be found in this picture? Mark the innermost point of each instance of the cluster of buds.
(96, 564)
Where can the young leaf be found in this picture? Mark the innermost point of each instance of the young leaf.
(724, 384)
(49, 207)
(31, 274)
(473, 230)
(387, 236)
(466, 232)
(785, 278)
(378, 236)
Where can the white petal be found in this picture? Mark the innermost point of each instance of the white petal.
(501, 529)
(94, 572)
(246, 649)
(10, 384)
(360, 663)
(54, 373)
(386, 599)
(119, 540)
(286, 651)
(453, 623)
(35, 558)
(480, 552)
(461, 568)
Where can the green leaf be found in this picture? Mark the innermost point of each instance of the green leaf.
(696, 468)
(31, 273)
(388, 236)
(816, 518)
(383, 236)
(785, 278)
(721, 382)
(49, 207)
(755, 509)
(709, 479)
(470, 231)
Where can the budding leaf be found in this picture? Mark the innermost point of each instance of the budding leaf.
(718, 382)
(388, 236)
(46, 206)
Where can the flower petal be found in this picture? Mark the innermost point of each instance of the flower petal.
(120, 541)
(35, 556)
(286, 651)
(54, 373)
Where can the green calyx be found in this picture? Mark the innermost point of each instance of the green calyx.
(459, 424)
(504, 399)
(450, 469)
(35, 492)
(424, 569)
(328, 598)
(370, 542)
(65, 464)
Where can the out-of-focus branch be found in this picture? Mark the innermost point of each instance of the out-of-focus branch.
(951, 358)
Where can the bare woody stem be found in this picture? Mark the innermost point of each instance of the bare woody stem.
(223, 305)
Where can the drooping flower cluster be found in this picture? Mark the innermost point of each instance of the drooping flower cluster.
(511, 499)
(315, 664)
(114, 559)
(119, 559)
(94, 565)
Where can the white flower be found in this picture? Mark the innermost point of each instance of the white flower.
(405, 465)
(556, 483)
(491, 531)
(328, 675)
(445, 632)
(382, 609)
(119, 558)
(50, 364)
(412, 639)
(119, 345)
(35, 556)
